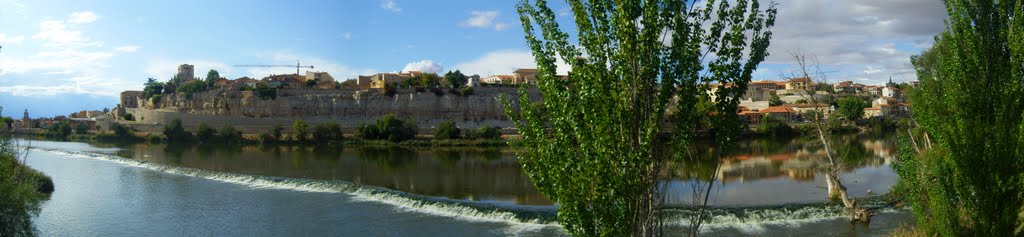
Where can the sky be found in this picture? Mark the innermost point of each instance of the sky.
(60, 57)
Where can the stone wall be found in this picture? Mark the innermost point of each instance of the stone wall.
(349, 108)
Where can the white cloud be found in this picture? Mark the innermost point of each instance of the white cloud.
(66, 62)
(4, 39)
(483, 19)
(127, 48)
(504, 62)
(82, 17)
(423, 66)
(865, 40)
(390, 5)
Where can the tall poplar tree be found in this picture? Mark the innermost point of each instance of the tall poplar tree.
(594, 141)
(964, 174)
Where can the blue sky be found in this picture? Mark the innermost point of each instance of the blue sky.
(60, 57)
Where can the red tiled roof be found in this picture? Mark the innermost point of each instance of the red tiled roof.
(777, 109)
(801, 79)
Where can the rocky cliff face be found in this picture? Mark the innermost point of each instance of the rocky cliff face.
(346, 107)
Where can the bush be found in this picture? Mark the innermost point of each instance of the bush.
(205, 133)
(59, 130)
(128, 117)
(774, 127)
(389, 128)
(153, 139)
(447, 130)
(81, 128)
(230, 134)
(276, 132)
(267, 138)
(420, 89)
(299, 128)
(437, 91)
(466, 91)
(175, 132)
(326, 132)
(20, 191)
(192, 87)
(486, 132)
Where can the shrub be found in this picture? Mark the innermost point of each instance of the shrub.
(192, 87)
(466, 91)
(389, 128)
(205, 133)
(230, 134)
(420, 89)
(267, 138)
(20, 186)
(437, 91)
(774, 127)
(81, 128)
(276, 132)
(175, 132)
(59, 130)
(447, 130)
(153, 138)
(299, 128)
(486, 132)
(326, 132)
(390, 90)
(128, 117)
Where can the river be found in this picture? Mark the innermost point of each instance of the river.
(771, 188)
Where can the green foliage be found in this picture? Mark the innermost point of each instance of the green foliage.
(388, 128)
(485, 132)
(192, 87)
(299, 130)
(175, 132)
(276, 132)
(204, 134)
(593, 145)
(152, 87)
(212, 75)
(775, 101)
(447, 130)
(968, 103)
(7, 120)
(128, 117)
(20, 196)
(59, 130)
(775, 127)
(121, 134)
(326, 132)
(81, 128)
(263, 91)
(230, 135)
(851, 108)
(310, 83)
(454, 79)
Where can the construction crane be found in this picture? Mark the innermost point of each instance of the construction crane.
(297, 66)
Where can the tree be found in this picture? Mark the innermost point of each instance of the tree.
(20, 196)
(455, 79)
(962, 168)
(81, 128)
(152, 87)
(389, 128)
(326, 132)
(851, 108)
(205, 133)
(59, 130)
(775, 101)
(447, 130)
(593, 144)
(212, 75)
(175, 132)
(276, 132)
(310, 83)
(299, 130)
(230, 134)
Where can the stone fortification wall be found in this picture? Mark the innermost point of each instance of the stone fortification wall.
(349, 108)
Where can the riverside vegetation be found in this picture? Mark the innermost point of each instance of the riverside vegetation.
(22, 190)
(594, 143)
(960, 168)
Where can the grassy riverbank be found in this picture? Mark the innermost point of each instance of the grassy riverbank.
(22, 190)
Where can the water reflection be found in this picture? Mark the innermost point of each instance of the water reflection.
(760, 172)
(767, 172)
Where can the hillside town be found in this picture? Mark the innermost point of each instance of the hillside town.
(787, 100)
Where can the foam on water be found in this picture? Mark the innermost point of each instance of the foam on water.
(465, 210)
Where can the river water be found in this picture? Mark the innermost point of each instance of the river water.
(768, 188)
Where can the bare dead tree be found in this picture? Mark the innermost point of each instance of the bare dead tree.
(819, 120)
